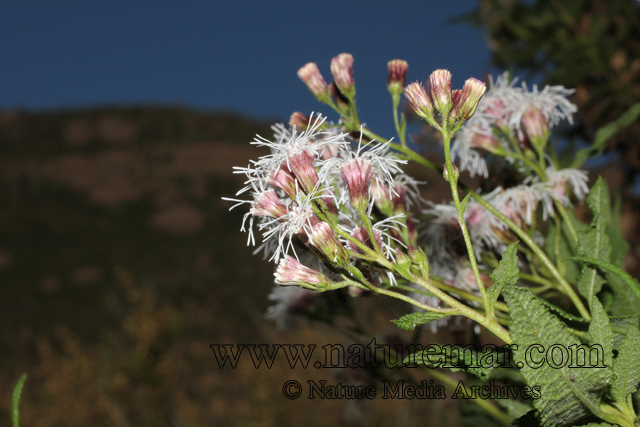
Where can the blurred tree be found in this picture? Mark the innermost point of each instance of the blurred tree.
(590, 45)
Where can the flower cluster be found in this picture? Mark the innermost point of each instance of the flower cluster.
(510, 121)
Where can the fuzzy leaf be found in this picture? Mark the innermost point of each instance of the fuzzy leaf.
(626, 278)
(515, 408)
(624, 301)
(472, 361)
(594, 242)
(620, 327)
(559, 246)
(626, 367)
(507, 272)
(600, 333)
(410, 321)
(567, 394)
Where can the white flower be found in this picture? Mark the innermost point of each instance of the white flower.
(576, 179)
(493, 111)
(289, 300)
(552, 102)
(520, 203)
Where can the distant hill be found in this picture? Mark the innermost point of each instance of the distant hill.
(49, 133)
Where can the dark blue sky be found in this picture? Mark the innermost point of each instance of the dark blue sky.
(241, 56)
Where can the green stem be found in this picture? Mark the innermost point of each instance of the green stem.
(453, 181)
(565, 218)
(565, 286)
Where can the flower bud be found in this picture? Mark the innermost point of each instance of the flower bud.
(342, 102)
(357, 173)
(440, 86)
(419, 100)
(299, 120)
(291, 272)
(381, 197)
(361, 234)
(301, 164)
(284, 180)
(456, 94)
(311, 76)
(322, 238)
(472, 91)
(485, 142)
(342, 70)
(267, 203)
(537, 127)
(397, 76)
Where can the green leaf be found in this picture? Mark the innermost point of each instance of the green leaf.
(619, 245)
(626, 367)
(411, 320)
(472, 361)
(604, 134)
(623, 275)
(600, 333)
(620, 327)
(507, 272)
(17, 391)
(567, 393)
(514, 408)
(594, 242)
(625, 302)
(560, 246)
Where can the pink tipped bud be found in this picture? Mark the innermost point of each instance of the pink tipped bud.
(357, 173)
(322, 238)
(361, 235)
(299, 120)
(284, 180)
(456, 94)
(472, 91)
(485, 142)
(537, 127)
(267, 203)
(397, 75)
(301, 164)
(419, 100)
(311, 76)
(342, 70)
(440, 85)
(466, 279)
(381, 197)
(291, 272)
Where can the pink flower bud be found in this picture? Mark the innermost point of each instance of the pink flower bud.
(267, 203)
(311, 76)
(342, 70)
(381, 197)
(322, 238)
(360, 233)
(397, 75)
(301, 164)
(472, 91)
(456, 94)
(299, 120)
(284, 180)
(328, 200)
(537, 126)
(440, 86)
(357, 173)
(485, 142)
(291, 272)
(419, 100)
